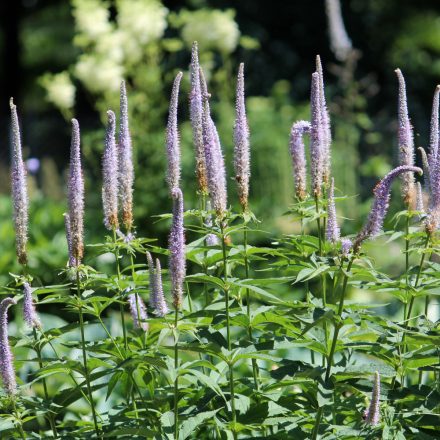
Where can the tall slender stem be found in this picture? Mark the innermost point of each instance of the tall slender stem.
(176, 380)
(248, 308)
(228, 327)
(19, 425)
(83, 344)
(50, 416)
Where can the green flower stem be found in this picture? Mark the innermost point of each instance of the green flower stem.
(121, 304)
(50, 415)
(228, 327)
(176, 380)
(19, 425)
(86, 369)
(248, 308)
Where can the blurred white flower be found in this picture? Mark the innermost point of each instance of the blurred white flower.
(111, 45)
(144, 20)
(91, 18)
(60, 90)
(212, 29)
(99, 74)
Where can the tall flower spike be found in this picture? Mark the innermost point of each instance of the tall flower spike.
(333, 233)
(110, 176)
(405, 141)
(241, 143)
(346, 245)
(172, 138)
(372, 414)
(419, 200)
(72, 259)
(340, 42)
(426, 169)
(138, 311)
(152, 280)
(161, 308)
(325, 120)
(434, 129)
(6, 359)
(76, 196)
(196, 112)
(29, 312)
(297, 153)
(19, 189)
(215, 164)
(380, 204)
(317, 137)
(176, 245)
(126, 171)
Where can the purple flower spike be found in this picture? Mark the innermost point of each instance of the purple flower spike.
(325, 120)
(6, 359)
(72, 259)
(317, 137)
(380, 204)
(126, 171)
(29, 312)
(241, 143)
(19, 189)
(196, 112)
(372, 414)
(340, 42)
(419, 199)
(333, 233)
(172, 138)
(406, 141)
(297, 153)
(110, 176)
(138, 311)
(346, 245)
(215, 164)
(434, 129)
(160, 308)
(152, 279)
(426, 169)
(176, 244)
(76, 196)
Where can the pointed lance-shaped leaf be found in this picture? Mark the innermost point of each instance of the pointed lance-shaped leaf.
(241, 143)
(19, 189)
(172, 138)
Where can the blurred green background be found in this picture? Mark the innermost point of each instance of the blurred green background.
(65, 58)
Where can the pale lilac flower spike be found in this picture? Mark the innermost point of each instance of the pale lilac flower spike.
(405, 141)
(380, 204)
(419, 199)
(138, 311)
(176, 244)
(333, 233)
(434, 131)
(325, 119)
(317, 137)
(196, 112)
(241, 143)
(152, 279)
(6, 359)
(346, 245)
(172, 138)
(110, 176)
(76, 196)
(297, 153)
(19, 189)
(29, 312)
(426, 170)
(372, 414)
(160, 305)
(126, 171)
(340, 42)
(72, 259)
(215, 164)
